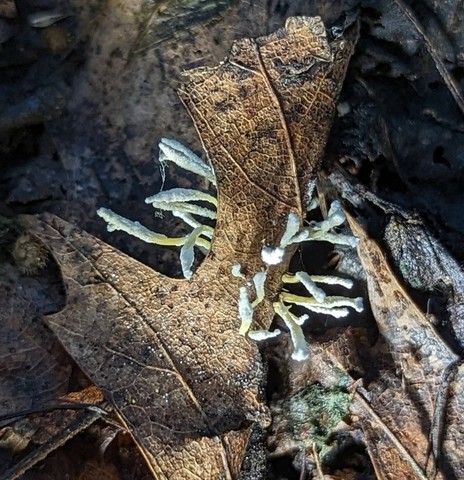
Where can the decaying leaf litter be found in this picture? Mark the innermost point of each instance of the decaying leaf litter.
(338, 349)
(190, 375)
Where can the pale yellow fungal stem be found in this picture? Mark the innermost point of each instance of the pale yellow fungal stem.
(245, 311)
(329, 304)
(309, 282)
(136, 229)
(300, 348)
(187, 254)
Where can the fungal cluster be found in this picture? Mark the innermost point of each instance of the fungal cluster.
(181, 202)
(317, 300)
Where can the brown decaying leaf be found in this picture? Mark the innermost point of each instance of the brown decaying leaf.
(33, 367)
(453, 431)
(399, 419)
(437, 270)
(166, 352)
(46, 432)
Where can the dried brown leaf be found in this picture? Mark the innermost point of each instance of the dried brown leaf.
(400, 415)
(453, 430)
(425, 264)
(44, 433)
(165, 352)
(33, 368)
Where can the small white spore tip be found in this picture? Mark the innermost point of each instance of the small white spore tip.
(272, 255)
(236, 271)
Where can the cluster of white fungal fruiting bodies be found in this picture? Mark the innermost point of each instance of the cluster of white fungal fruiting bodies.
(180, 202)
(317, 301)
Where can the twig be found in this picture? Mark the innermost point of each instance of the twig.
(318, 463)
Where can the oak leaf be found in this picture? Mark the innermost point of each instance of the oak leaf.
(167, 352)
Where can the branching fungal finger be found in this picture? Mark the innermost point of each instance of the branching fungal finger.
(175, 201)
(181, 195)
(335, 312)
(313, 204)
(186, 208)
(260, 335)
(187, 254)
(319, 231)
(136, 229)
(259, 279)
(275, 255)
(307, 281)
(300, 348)
(328, 303)
(188, 219)
(301, 319)
(245, 307)
(332, 280)
(236, 271)
(335, 217)
(308, 234)
(293, 227)
(183, 157)
(245, 311)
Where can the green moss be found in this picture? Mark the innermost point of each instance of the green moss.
(314, 414)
